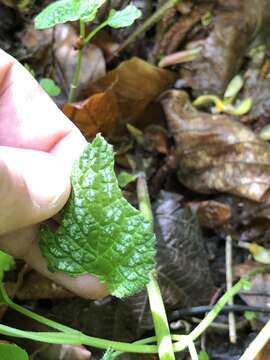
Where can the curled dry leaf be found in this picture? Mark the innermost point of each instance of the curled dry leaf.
(99, 113)
(224, 49)
(216, 152)
(119, 97)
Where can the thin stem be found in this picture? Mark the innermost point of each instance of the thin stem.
(76, 74)
(41, 319)
(229, 282)
(149, 341)
(94, 32)
(210, 317)
(79, 338)
(257, 344)
(164, 340)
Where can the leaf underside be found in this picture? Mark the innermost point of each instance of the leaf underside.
(100, 232)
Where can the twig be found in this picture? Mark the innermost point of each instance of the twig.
(151, 21)
(229, 283)
(200, 310)
(257, 344)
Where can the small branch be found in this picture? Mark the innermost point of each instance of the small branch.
(229, 282)
(151, 21)
(257, 344)
(94, 32)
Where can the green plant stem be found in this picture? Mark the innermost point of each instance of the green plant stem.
(164, 340)
(94, 32)
(71, 336)
(149, 341)
(210, 317)
(257, 344)
(41, 319)
(76, 74)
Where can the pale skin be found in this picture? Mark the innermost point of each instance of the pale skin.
(38, 145)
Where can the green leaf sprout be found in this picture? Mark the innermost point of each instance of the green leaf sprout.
(50, 87)
(123, 18)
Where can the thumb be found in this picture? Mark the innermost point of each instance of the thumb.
(33, 187)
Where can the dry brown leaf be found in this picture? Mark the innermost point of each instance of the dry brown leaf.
(123, 94)
(236, 24)
(99, 113)
(264, 353)
(212, 214)
(216, 152)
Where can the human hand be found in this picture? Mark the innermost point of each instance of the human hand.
(38, 145)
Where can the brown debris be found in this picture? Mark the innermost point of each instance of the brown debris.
(216, 152)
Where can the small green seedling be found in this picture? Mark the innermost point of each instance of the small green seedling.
(226, 104)
(47, 84)
(83, 11)
(50, 87)
(250, 315)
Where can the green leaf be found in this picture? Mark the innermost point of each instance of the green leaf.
(250, 315)
(203, 355)
(101, 233)
(124, 178)
(62, 11)
(6, 263)
(50, 87)
(123, 18)
(10, 351)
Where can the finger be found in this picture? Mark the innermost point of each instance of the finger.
(86, 286)
(34, 187)
(28, 117)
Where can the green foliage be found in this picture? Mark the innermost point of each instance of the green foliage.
(29, 69)
(9, 351)
(6, 263)
(50, 87)
(109, 355)
(203, 355)
(62, 11)
(250, 315)
(123, 18)
(101, 233)
(125, 178)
